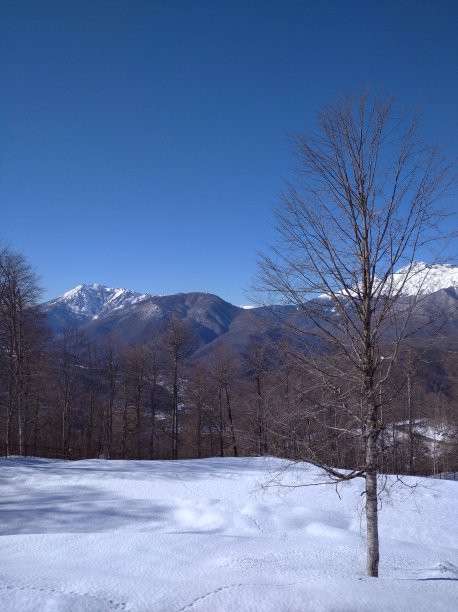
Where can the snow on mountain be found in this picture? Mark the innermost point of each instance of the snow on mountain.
(416, 278)
(93, 301)
(421, 278)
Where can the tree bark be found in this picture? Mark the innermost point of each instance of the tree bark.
(372, 558)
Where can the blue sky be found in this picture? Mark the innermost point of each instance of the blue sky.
(143, 144)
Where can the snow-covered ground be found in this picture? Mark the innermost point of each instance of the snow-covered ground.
(205, 535)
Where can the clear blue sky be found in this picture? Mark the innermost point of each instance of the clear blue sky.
(143, 143)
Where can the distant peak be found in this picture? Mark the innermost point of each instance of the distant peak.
(92, 301)
(83, 287)
(424, 278)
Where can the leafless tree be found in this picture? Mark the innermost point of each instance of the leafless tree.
(133, 374)
(68, 375)
(224, 376)
(198, 397)
(256, 361)
(175, 340)
(111, 387)
(92, 410)
(152, 381)
(19, 292)
(363, 203)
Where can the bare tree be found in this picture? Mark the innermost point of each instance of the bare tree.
(175, 339)
(111, 386)
(198, 397)
(256, 361)
(68, 360)
(134, 363)
(19, 292)
(224, 377)
(152, 381)
(362, 204)
(92, 410)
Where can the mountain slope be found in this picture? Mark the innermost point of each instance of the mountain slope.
(214, 324)
(206, 317)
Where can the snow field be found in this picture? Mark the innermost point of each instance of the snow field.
(212, 535)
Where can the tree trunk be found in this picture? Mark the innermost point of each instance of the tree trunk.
(175, 409)
(410, 417)
(124, 425)
(372, 524)
(231, 421)
(153, 420)
(199, 430)
(221, 422)
(372, 559)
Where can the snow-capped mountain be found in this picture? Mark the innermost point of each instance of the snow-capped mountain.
(414, 279)
(425, 279)
(131, 316)
(88, 302)
(96, 300)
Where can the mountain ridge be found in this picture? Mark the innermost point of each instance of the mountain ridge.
(131, 317)
(96, 300)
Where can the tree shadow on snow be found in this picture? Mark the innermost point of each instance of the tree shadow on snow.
(78, 509)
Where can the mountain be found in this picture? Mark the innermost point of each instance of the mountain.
(86, 303)
(425, 279)
(214, 324)
(414, 279)
(206, 317)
